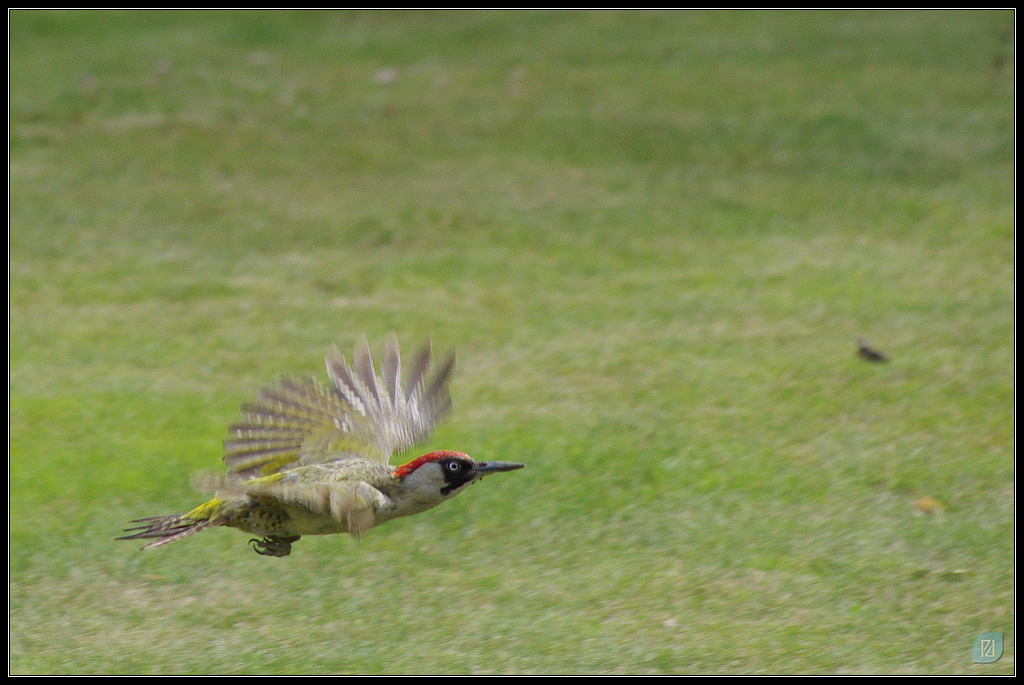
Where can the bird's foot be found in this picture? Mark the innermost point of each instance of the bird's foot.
(273, 546)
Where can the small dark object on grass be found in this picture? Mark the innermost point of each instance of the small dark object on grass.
(870, 354)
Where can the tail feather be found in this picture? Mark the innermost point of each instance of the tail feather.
(164, 529)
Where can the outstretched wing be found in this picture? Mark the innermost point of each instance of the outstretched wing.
(361, 415)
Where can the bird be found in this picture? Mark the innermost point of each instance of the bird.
(870, 354)
(312, 459)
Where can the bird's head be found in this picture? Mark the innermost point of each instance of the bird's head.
(437, 476)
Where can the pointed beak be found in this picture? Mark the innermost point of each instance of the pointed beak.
(485, 467)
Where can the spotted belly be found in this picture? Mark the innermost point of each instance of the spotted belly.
(280, 520)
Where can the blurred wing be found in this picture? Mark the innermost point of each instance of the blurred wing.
(361, 416)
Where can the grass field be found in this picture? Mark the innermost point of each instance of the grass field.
(653, 239)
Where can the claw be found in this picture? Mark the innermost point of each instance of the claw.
(272, 546)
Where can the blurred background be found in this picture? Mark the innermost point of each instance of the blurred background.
(653, 239)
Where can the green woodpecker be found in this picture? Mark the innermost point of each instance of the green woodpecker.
(306, 459)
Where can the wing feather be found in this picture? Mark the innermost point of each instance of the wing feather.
(391, 372)
(364, 370)
(414, 383)
(300, 421)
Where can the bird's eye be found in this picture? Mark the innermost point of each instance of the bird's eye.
(454, 466)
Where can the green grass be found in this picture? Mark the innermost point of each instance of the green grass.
(652, 237)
